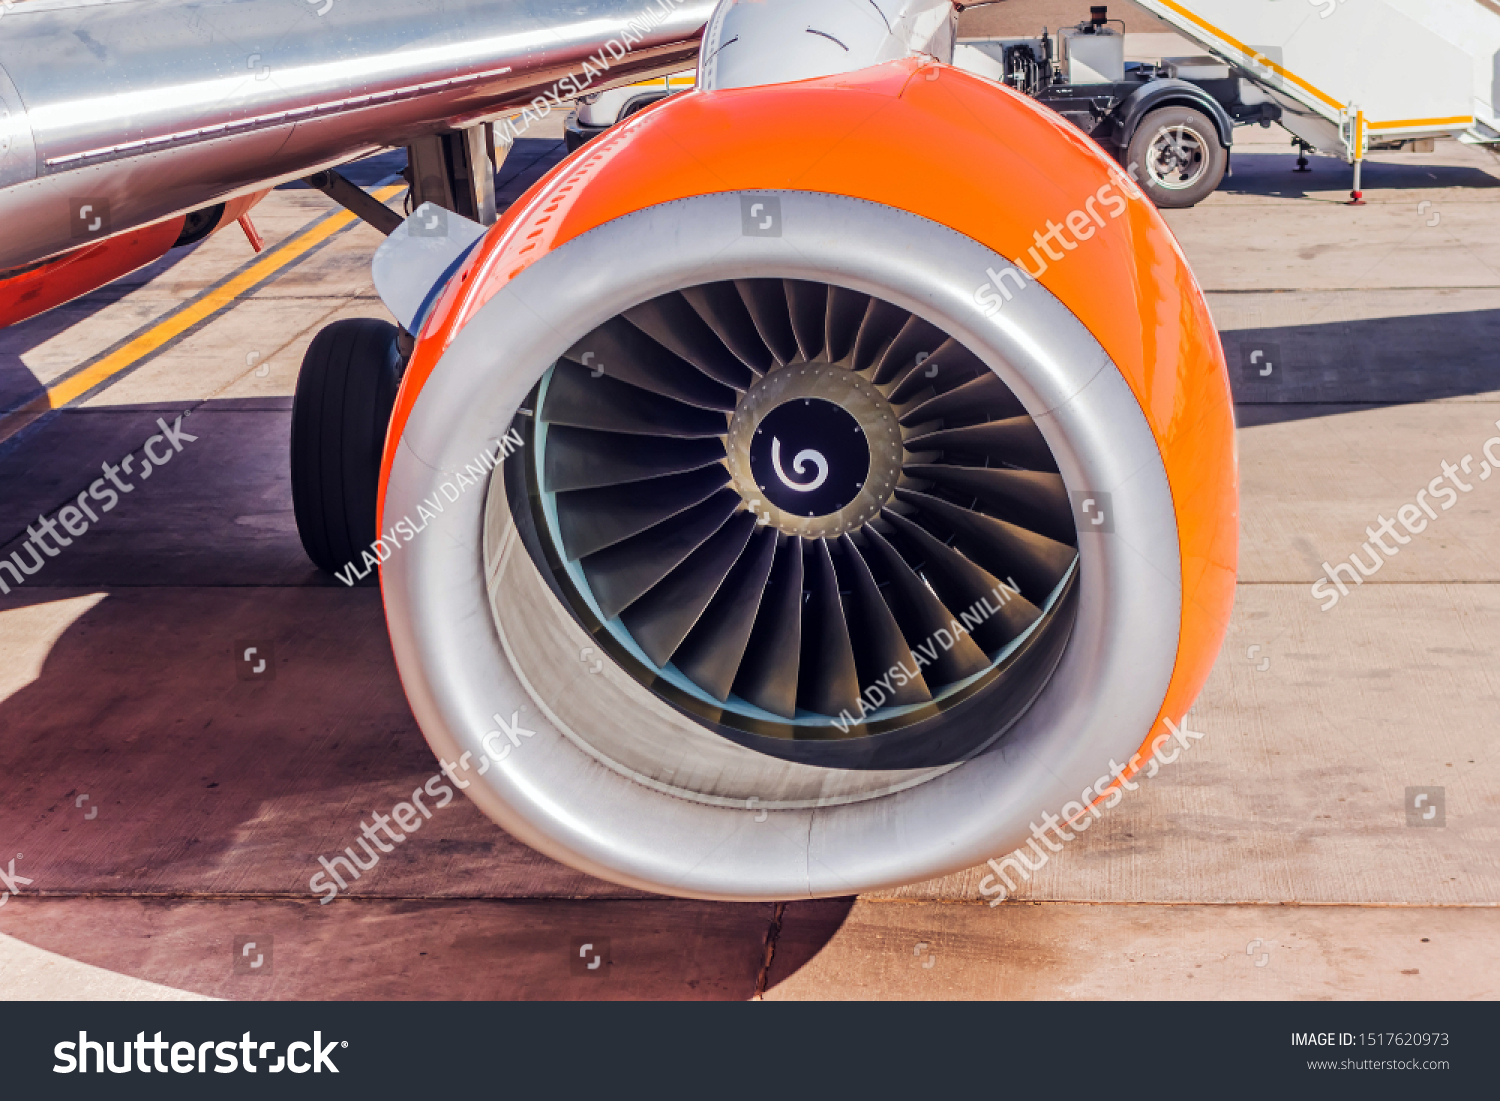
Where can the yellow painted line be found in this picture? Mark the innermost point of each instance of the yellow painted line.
(172, 327)
(1248, 52)
(1406, 124)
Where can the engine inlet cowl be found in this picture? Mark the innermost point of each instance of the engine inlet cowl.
(727, 622)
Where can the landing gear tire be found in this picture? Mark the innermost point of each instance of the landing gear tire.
(345, 394)
(1179, 159)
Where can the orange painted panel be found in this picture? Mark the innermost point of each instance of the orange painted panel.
(75, 273)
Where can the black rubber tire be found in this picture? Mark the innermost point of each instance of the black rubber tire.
(199, 224)
(345, 394)
(1207, 134)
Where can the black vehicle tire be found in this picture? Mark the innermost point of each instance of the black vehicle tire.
(1177, 156)
(345, 393)
(573, 140)
(199, 224)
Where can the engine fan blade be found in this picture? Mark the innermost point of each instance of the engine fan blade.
(1029, 498)
(950, 364)
(723, 311)
(916, 337)
(986, 396)
(1003, 616)
(808, 305)
(1036, 562)
(662, 618)
(578, 458)
(675, 325)
(827, 679)
(765, 299)
(620, 575)
(1017, 441)
(846, 310)
(576, 398)
(589, 520)
(881, 325)
(768, 677)
(879, 645)
(710, 656)
(623, 352)
(921, 616)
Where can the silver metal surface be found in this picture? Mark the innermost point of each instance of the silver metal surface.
(750, 42)
(455, 171)
(156, 107)
(410, 265)
(598, 796)
(17, 150)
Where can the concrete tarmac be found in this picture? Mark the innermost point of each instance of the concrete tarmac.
(167, 812)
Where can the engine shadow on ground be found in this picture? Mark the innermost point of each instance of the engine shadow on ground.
(1294, 372)
(166, 807)
(217, 795)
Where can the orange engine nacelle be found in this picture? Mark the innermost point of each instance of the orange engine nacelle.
(39, 287)
(864, 490)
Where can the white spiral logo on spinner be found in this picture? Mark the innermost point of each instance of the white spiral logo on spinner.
(799, 462)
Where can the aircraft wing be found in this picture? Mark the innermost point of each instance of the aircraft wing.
(148, 110)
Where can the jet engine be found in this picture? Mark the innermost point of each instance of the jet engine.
(813, 481)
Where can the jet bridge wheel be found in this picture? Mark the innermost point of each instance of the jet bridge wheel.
(345, 393)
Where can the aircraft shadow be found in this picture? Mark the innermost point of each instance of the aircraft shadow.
(216, 796)
(1293, 372)
(1272, 175)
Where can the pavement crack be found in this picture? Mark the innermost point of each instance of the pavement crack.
(773, 931)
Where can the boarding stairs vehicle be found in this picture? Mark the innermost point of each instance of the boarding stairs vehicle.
(1352, 75)
(1341, 76)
